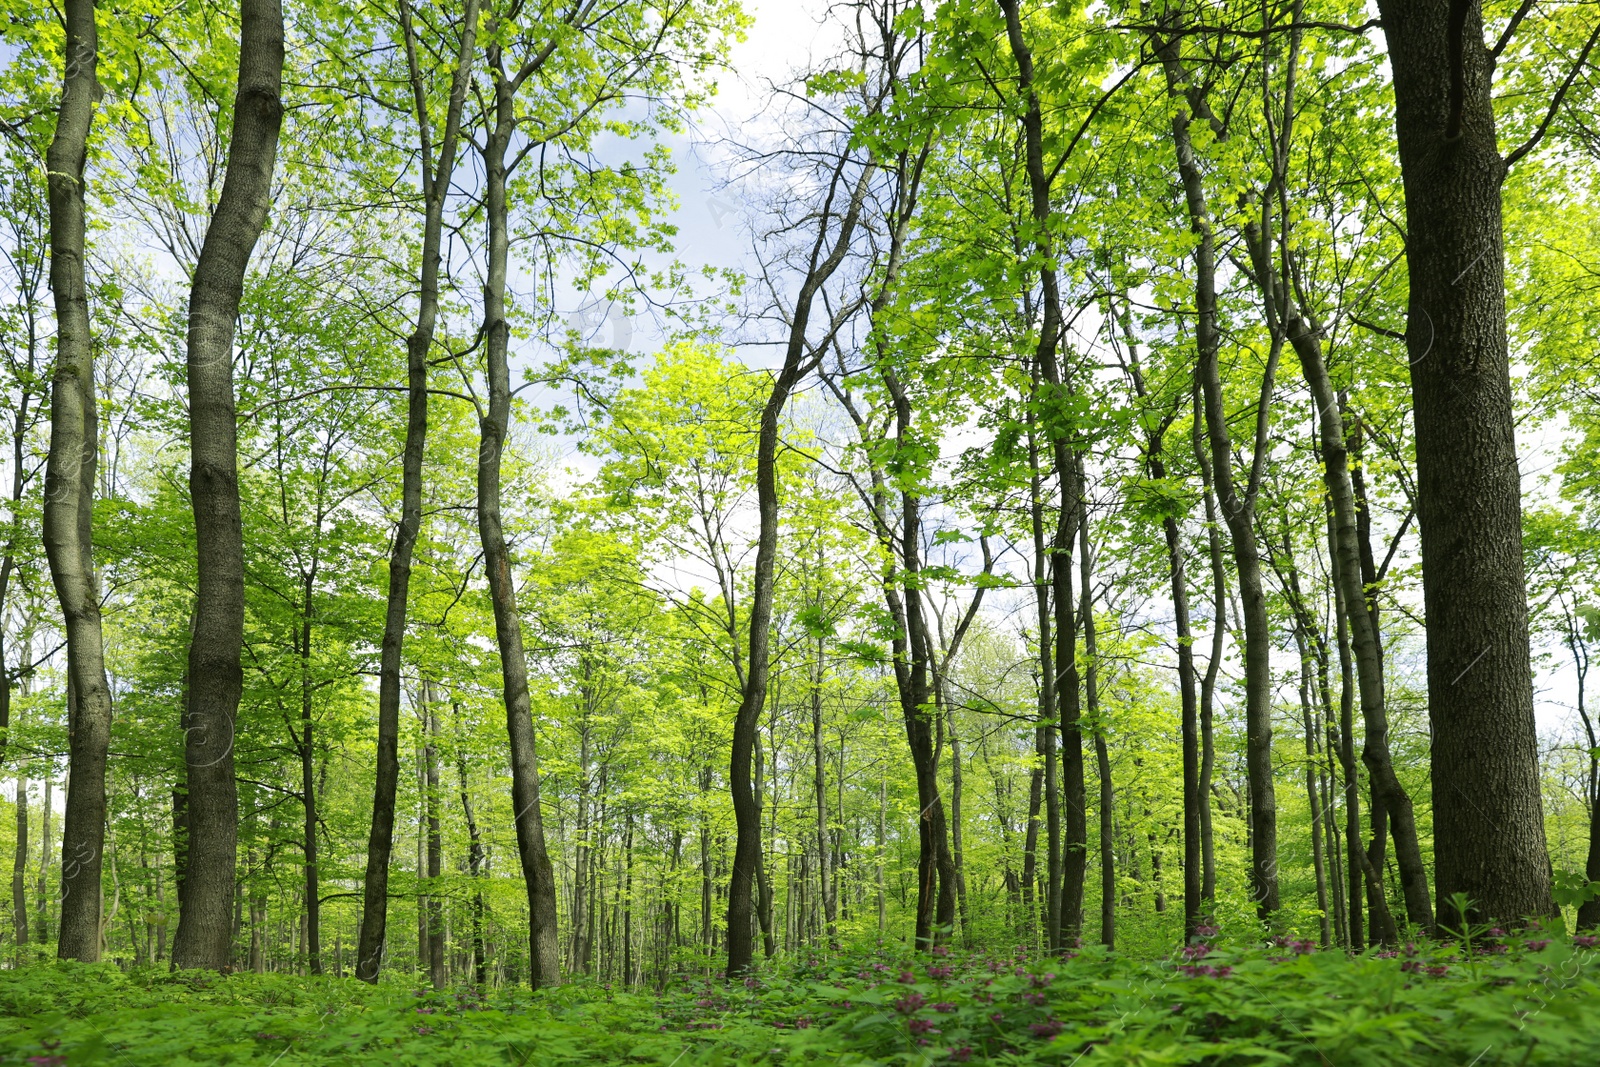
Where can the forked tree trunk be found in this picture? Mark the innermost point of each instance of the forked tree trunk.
(1066, 893)
(69, 498)
(824, 260)
(1238, 512)
(436, 179)
(1488, 823)
(205, 920)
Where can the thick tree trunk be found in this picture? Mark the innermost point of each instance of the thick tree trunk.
(1488, 823)
(69, 497)
(543, 938)
(435, 188)
(205, 927)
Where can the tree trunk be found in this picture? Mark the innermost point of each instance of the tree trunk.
(829, 903)
(1196, 802)
(1355, 869)
(1389, 797)
(1319, 863)
(435, 188)
(1091, 692)
(1488, 823)
(957, 846)
(69, 497)
(430, 762)
(41, 897)
(475, 862)
(308, 783)
(823, 262)
(543, 939)
(1238, 509)
(764, 893)
(215, 677)
(19, 870)
(1208, 683)
(1045, 736)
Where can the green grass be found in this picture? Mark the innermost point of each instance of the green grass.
(1518, 1002)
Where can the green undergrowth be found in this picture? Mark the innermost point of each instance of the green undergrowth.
(1508, 1001)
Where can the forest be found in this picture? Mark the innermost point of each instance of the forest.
(852, 532)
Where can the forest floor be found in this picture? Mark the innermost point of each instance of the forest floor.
(1517, 1000)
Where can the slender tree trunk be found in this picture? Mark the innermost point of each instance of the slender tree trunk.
(763, 877)
(1045, 737)
(1313, 798)
(306, 742)
(436, 180)
(1208, 683)
(544, 941)
(42, 886)
(829, 903)
(1030, 845)
(823, 262)
(1066, 889)
(883, 813)
(957, 846)
(19, 870)
(1238, 512)
(1196, 802)
(215, 677)
(707, 938)
(1091, 692)
(69, 497)
(1389, 797)
(475, 861)
(1355, 871)
(430, 763)
(1488, 822)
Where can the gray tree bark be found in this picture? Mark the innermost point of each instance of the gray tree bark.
(544, 940)
(205, 921)
(69, 498)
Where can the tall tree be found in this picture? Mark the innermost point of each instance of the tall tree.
(215, 678)
(1236, 502)
(1488, 821)
(69, 497)
(437, 173)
